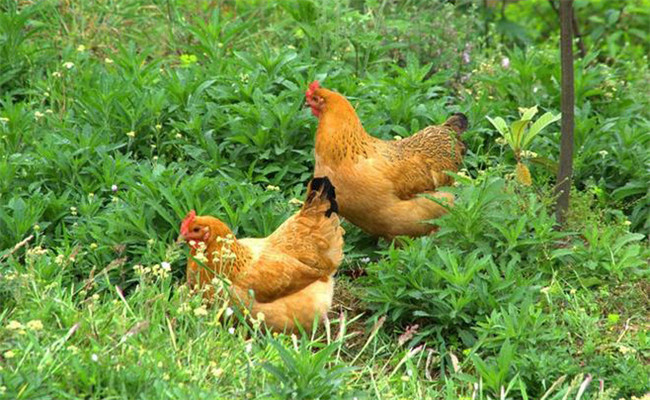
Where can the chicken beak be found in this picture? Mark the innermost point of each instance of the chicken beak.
(180, 239)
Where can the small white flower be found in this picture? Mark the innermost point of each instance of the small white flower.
(94, 357)
(249, 347)
(229, 312)
(68, 64)
(231, 331)
(59, 259)
(38, 115)
(528, 154)
(603, 153)
(505, 62)
(114, 188)
(365, 260)
(166, 266)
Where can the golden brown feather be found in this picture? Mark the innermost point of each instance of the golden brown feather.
(289, 272)
(380, 183)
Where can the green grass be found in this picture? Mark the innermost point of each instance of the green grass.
(117, 117)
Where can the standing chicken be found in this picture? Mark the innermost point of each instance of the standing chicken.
(379, 182)
(289, 272)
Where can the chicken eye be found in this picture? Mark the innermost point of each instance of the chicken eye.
(196, 229)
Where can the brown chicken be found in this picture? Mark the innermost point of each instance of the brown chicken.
(379, 183)
(289, 272)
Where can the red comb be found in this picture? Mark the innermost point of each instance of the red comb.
(185, 225)
(312, 87)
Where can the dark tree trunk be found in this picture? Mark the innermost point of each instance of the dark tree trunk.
(563, 187)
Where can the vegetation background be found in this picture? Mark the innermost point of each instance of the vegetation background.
(116, 117)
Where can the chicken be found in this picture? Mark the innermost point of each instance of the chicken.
(379, 183)
(289, 273)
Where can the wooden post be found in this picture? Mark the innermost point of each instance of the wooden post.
(565, 170)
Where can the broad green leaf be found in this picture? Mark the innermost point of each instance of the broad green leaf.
(527, 113)
(500, 124)
(541, 123)
(518, 128)
(546, 163)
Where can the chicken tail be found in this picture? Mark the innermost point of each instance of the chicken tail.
(321, 194)
(458, 122)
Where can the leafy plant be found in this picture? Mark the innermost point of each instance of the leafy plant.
(518, 136)
(304, 374)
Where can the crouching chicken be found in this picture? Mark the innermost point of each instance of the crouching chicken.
(287, 276)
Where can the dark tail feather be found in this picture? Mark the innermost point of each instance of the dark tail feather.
(323, 188)
(458, 122)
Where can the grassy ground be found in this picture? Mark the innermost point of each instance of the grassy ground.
(116, 117)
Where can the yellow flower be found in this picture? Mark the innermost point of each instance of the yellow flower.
(68, 64)
(200, 311)
(81, 48)
(184, 308)
(130, 134)
(296, 202)
(14, 325)
(9, 354)
(523, 175)
(93, 246)
(108, 60)
(35, 325)
(273, 188)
